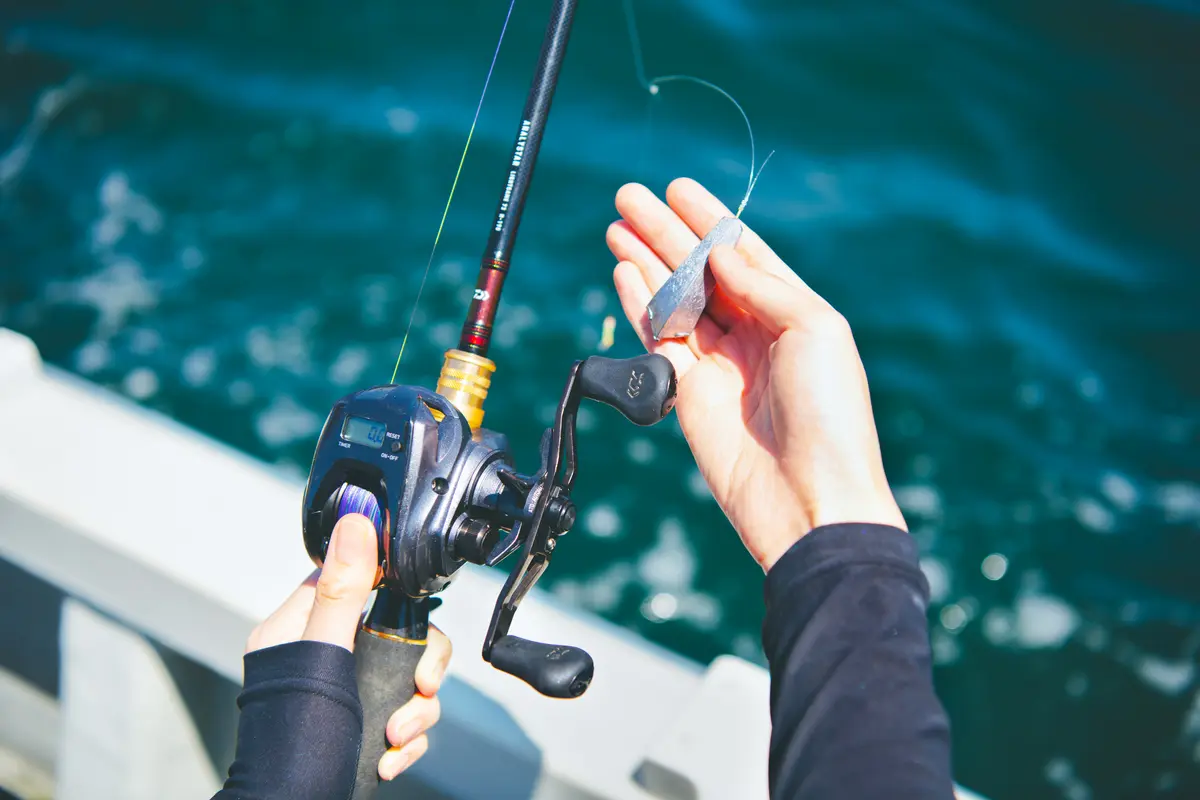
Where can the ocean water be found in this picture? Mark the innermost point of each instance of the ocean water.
(223, 210)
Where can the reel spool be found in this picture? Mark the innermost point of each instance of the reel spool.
(351, 499)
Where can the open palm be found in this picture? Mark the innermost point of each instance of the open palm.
(772, 396)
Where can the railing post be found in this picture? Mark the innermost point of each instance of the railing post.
(126, 732)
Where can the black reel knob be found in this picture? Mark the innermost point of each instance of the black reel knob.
(641, 388)
(554, 670)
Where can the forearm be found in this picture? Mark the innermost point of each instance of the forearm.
(300, 727)
(854, 714)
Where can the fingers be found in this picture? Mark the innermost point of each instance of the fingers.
(398, 759)
(656, 224)
(434, 661)
(700, 211)
(635, 295)
(656, 239)
(406, 733)
(412, 719)
(627, 245)
(407, 726)
(772, 301)
(346, 581)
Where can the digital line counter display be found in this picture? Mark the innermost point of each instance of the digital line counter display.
(364, 431)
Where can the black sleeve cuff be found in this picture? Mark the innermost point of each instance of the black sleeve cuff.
(833, 547)
(300, 729)
(304, 667)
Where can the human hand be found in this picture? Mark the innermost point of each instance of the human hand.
(772, 395)
(328, 607)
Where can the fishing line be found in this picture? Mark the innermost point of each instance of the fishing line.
(416, 303)
(652, 86)
(635, 42)
(640, 67)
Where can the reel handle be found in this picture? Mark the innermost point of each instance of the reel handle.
(553, 670)
(386, 664)
(642, 388)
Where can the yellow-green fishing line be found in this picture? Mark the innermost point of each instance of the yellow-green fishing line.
(450, 199)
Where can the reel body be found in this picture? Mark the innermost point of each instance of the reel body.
(411, 451)
(442, 495)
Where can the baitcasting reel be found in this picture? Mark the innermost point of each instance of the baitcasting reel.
(441, 496)
(443, 491)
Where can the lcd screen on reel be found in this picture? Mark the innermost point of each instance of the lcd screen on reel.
(364, 431)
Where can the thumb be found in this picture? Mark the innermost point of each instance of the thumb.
(772, 301)
(346, 581)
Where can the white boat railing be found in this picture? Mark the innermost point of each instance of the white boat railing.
(168, 547)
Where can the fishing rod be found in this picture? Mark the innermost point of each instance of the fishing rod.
(442, 490)
(466, 375)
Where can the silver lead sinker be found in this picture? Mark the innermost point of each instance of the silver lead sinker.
(675, 309)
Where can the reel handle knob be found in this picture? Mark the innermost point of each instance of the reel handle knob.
(642, 388)
(554, 670)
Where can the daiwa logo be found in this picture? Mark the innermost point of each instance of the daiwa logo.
(635, 383)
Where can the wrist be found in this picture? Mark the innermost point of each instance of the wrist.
(870, 508)
(835, 508)
(859, 494)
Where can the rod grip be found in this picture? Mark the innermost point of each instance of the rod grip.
(387, 669)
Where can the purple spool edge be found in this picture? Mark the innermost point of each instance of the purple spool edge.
(357, 500)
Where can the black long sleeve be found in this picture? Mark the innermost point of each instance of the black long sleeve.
(300, 727)
(853, 710)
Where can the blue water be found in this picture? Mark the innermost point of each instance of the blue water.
(223, 210)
